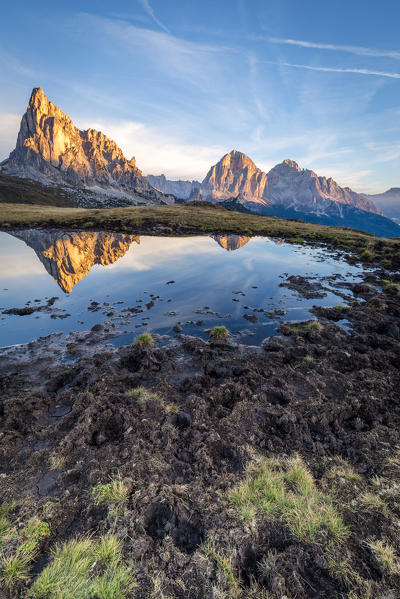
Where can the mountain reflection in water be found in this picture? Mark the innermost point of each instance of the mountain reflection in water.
(68, 256)
(188, 283)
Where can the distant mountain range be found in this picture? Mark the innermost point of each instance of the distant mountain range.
(286, 191)
(388, 202)
(91, 170)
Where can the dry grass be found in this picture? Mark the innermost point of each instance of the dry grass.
(386, 555)
(373, 502)
(144, 396)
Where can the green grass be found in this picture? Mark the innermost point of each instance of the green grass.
(5, 523)
(225, 566)
(298, 240)
(115, 492)
(19, 550)
(287, 490)
(86, 569)
(144, 340)
(15, 569)
(342, 308)
(220, 333)
(308, 359)
(312, 325)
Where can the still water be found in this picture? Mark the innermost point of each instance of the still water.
(136, 284)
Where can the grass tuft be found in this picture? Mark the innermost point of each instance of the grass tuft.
(15, 564)
(220, 333)
(367, 255)
(144, 396)
(225, 566)
(84, 569)
(385, 555)
(144, 340)
(312, 325)
(288, 491)
(114, 492)
(373, 501)
(14, 569)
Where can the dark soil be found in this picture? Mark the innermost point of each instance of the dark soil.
(321, 392)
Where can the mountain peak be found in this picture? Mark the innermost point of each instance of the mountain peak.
(51, 149)
(236, 160)
(37, 98)
(291, 163)
(234, 176)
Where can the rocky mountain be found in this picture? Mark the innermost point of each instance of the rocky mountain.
(231, 242)
(287, 185)
(69, 256)
(234, 176)
(180, 189)
(388, 202)
(288, 191)
(52, 150)
(302, 189)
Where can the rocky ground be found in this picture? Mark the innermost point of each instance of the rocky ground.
(224, 470)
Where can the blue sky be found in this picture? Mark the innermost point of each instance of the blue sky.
(178, 83)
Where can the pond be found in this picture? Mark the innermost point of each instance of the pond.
(72, 280)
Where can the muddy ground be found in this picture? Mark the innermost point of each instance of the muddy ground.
(331, 396)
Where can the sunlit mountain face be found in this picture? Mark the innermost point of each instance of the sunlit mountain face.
(68, 256)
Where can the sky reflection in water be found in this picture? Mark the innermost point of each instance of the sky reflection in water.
(205, 273)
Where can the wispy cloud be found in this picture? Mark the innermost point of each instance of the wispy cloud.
(16, 65)
(195, 63)
(254, 79)
(148, 8)
(341, 70)
(358, 50)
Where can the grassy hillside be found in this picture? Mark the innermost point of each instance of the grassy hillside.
(14, 190)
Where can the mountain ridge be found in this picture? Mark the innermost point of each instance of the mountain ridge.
(51, 149)
(288, 191)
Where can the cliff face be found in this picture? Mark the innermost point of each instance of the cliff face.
(51, 149)
(234, 176)
(286, 185)
(293, 187)
(69, 256)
